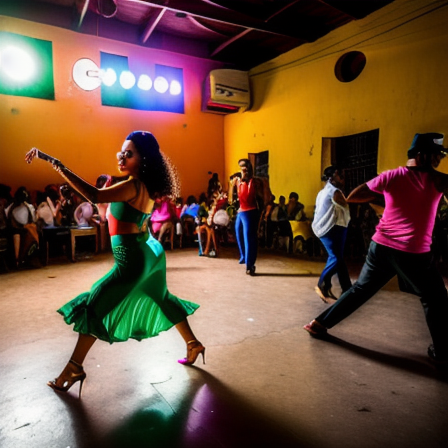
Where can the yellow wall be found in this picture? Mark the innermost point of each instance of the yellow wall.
(297, 99)
(85, 135)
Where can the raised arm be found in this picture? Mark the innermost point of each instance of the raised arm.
(120, 192)
(362, 194)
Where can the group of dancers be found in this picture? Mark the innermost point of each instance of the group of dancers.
(137, 280)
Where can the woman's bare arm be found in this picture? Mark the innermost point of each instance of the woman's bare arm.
(120, 192)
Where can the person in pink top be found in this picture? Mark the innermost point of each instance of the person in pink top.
(401, 245)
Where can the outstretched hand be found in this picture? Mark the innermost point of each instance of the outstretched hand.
(31, 154)
(34, 152)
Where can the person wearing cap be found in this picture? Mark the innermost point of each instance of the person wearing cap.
(401, 245)
(132, 300)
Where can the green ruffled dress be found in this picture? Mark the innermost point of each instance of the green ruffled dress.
(132, 300)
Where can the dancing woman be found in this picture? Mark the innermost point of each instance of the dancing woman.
(131, 300)
(253, 194)
(330, 224)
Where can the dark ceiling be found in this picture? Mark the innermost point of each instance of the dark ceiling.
(239, 33)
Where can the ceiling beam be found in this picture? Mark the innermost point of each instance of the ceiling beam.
(207, 11)
(202, 26)
(230, 41)
(151, 25)
(81, 7)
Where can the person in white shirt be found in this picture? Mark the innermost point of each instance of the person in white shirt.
(330, 223)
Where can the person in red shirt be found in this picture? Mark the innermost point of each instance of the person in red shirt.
(253, 194)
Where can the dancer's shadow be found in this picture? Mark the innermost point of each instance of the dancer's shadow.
(209, 415)
(285, 274)
(419, 365)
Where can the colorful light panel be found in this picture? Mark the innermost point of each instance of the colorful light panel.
(170, 99)
(26, 66)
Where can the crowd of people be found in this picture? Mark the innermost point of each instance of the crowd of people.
(205, 221)
(25, 214)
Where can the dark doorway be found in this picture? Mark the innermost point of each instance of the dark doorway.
(260, 162)
(357, 156)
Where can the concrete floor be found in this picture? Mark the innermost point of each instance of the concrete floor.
(266, 383)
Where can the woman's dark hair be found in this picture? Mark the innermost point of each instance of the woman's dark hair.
(156, 170)
(5, 192)
(248, 165)
(21, 195)
(41, 196)
(52, 192)
(191, 200)
(329, 172)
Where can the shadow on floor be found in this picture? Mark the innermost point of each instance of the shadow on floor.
(420, 366)
(209, 416)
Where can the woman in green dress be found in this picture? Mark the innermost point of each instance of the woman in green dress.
(131, 300)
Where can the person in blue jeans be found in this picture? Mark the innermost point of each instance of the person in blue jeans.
(331, 219)
(253, 194)
(401, 245)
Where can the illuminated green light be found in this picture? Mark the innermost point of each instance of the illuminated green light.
(18, 64)
(26, 66)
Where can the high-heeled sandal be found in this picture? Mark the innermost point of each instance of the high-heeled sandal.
(194, 349)
(73, 377)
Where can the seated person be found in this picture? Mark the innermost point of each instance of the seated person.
(44, 215)
(83, 214)
(188, 216)
(295, 209)
(214, 186)
(205, 225)
(5, 200)
(21, 219)
(68, 206)
(54, 202)
(292, 211)
(163, 217)
(266, 225)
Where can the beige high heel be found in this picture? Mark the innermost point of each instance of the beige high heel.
(75, 374)
(194, 349)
